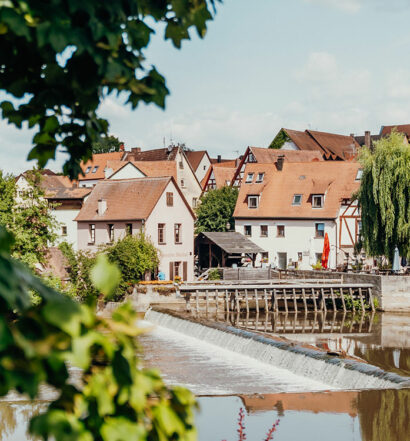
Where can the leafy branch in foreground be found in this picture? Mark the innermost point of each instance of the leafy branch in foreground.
(115, 398)
(61, 58)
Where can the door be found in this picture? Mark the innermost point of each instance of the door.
(282, 260)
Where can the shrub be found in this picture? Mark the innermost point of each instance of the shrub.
(214, 274)
(317, 266)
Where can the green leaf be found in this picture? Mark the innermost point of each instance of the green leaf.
(120, 429)
(105, 275)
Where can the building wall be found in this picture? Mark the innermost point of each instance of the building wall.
(191, 188)
(88, 183)
(178, 214)
(127, 172)
(66, 218)
(289, 145)
(299, 238)
(203, 167)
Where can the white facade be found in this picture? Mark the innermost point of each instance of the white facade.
(67, 227)
(129, 171)
(88, 183)
(187, 180)
(289, 145)
(300, 243)
(203, 167)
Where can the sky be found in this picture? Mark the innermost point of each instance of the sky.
(340, 66)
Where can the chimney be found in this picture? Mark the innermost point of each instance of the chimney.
(352, 135)
(102, 206)
(219, 159)
(367, 139)
(237, 162)
(136, 150)
(122, 148)
(279, 162)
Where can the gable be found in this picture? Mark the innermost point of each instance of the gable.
(128, 171)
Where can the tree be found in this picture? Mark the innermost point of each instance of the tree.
(107, 144)
(384, 197)
(29, 219)
(64, 57)
(216, 210)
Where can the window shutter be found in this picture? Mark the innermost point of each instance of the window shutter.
(171, 270)
(185, 270)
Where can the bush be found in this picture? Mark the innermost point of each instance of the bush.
(134, 255)
(317, 266)
(214, 274)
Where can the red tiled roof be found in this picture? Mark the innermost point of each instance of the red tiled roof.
(163, 154)
(402, 128)
(336, 146)
(148, 168)
(303, 140)
(266, 155)
(195, 157)
(98, 160)
(337, 180)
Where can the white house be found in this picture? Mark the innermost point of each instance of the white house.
(155, 206)
(287, 208)
(200, 162)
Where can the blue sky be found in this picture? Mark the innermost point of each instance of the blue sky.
(330, 65)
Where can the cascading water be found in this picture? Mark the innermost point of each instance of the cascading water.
(315, 365)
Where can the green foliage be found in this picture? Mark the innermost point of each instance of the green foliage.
(115, 398)
(134, 255)
(279, 140)
(29, 218)
(214, 274)
(317, 266)
(216, 209)
(384, 197)
(105, 277)
(66, 57)
(80, 264)
(107, 144)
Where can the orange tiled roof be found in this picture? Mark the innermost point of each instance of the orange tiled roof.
(148, 168)
(164, 154)
(336, 180)
(98, 160)
(265, 155)
(336, 146)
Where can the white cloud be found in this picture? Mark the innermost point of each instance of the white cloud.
(354, 6)
(351, 6)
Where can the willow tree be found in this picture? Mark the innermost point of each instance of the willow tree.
(384, 196)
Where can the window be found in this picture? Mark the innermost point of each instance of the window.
(88, 169)
(194, 202)
(110, 228)
(91, 230)
(204, 167)
(227, 183)
(181, 165)
(317, 201)
(359, 230)
(253, 201)
(320, 230)
(264, 231)
(64, 230)
(170, 199)
(177, 233)
(182, 183)
(251, 158)
(297, 199)
(247, 229)
(280, 231)
(95, 169)
(300, 257)
(249, 178)
(359, 174)
(177, 269)
(161, 234)
(260, 177)
(128, 229)
(264, 257)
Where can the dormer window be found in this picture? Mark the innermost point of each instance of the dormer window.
(95, 169)
(249, 178)
(359, 174)
(297, 199)
(88, 170)
(317, 201)
(260, 177)
(253, 201)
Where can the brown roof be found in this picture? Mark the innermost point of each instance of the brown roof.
(149, 168)
(303, 140)
(223, 171)
(195, 157)
(336, 180)
(127, 199)
(336, 146)
(98, 160)
(68, 193)
(164, 154)
(266, 155)
(403, 128)
(49, 182)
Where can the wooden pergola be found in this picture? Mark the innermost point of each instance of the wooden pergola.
(224, 248)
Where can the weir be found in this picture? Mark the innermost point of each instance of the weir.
(314, 364)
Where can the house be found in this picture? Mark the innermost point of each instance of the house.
(65, 199)
(186, 177)
(155, 206)
(200, 162)
(268, 155)
(330, 145)
(219, 174)
(401, 128)
(140, 169)
(287, 208)
(94, 168)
